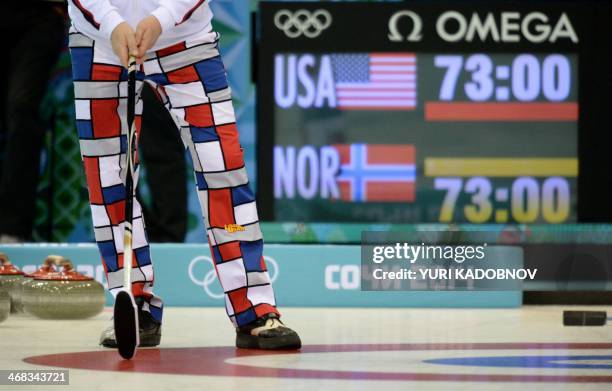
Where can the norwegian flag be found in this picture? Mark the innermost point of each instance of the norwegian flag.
(377, 173)
(375, 81)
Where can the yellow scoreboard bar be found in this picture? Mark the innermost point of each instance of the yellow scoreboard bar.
(501, 167)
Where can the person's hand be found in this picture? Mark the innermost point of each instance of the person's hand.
(123, 41)
(147, 32)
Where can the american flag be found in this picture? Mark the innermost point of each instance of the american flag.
(375, 81)
(377, 172)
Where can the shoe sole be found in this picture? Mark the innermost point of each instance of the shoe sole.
(288, 342)
(145, 342)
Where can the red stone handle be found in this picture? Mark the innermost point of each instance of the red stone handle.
(58, 260)
(4, 260)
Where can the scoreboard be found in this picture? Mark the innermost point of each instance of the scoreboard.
(421, 112)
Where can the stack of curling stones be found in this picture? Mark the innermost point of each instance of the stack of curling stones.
(62, 294)
(10, 282)
(55, 291)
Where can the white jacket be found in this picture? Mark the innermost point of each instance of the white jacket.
(180, 19)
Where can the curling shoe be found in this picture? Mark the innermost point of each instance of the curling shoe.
(150, 330)
(267, 332)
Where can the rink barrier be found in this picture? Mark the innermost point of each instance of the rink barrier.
(303, 275)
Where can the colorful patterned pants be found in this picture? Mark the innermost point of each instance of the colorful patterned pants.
(190, 79)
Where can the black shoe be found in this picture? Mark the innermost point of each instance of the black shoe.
(267, 332)
(150, 330)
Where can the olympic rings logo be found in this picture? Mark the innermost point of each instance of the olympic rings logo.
(211, 276)
(310, 24)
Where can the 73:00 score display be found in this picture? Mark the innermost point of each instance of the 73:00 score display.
(524, 77)
(525, 200)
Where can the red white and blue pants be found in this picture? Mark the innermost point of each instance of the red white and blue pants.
(190, 79)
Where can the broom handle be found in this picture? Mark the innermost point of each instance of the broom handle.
(129, 178)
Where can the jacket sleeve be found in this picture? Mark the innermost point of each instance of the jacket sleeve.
(171, 13)
(99, 13)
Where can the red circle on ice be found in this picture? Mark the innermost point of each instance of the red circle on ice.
(211, 361)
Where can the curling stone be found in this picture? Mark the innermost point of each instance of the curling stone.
(64, 294)
(10, 279)
(47, 267)
(5, 304)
